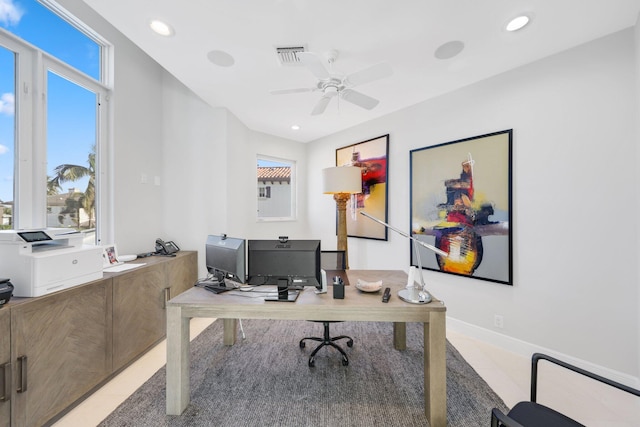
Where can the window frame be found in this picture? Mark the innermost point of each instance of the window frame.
(30, 150)
(293, 188)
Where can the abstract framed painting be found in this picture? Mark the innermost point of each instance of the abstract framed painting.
(371, 156)
(461, 203)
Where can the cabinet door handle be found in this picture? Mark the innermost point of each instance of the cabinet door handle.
(23, 374)
(6, 387)
(167, 296)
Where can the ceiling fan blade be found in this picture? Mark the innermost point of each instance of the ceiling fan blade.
(314, 64)
(321, 106)
(287, 91)
(359, 99)
(369, 74)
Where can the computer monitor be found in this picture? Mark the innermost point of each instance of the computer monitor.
(225, 258)
(288, 264)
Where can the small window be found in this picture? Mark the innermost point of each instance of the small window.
(264, 192)
(276, 189)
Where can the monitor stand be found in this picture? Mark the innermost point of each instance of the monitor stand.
(284, 293)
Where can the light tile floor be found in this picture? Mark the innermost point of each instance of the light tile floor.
(507, 373)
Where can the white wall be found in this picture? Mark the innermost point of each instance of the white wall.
(244, 147)
(195, 176)
(209, 174)
(574, 200)
(137, 136)
(637, 159)
(199, 161)
(575, 121)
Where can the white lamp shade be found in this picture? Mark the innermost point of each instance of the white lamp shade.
(342, 179)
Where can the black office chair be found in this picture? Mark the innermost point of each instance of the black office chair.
(532, 414)
(329, 260)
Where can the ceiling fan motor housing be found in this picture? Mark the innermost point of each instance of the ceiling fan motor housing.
(331, 87)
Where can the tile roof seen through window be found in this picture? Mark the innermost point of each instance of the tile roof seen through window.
(274, 174)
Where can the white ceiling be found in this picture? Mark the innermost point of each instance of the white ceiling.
(404, 33)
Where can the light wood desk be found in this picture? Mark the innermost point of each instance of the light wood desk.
(356, 306)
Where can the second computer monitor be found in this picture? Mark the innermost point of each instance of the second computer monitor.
(225, 258)
(293, 263)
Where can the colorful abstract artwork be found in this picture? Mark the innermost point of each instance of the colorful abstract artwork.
(461, 204)
(371, 156)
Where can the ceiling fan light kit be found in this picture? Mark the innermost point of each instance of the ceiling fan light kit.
(337, 85)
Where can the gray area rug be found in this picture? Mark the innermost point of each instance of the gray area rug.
(265, 380)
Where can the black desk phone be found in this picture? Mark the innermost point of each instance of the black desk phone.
(166, 248)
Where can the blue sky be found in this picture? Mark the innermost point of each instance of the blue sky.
(71, 109)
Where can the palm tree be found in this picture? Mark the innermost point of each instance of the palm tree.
(72, 208)
(68, 173)
(53, 188)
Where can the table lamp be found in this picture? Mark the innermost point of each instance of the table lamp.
(412, 294)
(342, 182)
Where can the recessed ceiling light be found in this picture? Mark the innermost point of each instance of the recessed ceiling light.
(295, 127)
(449, 49)
(518, 23)
(161, 28)
(221, 58)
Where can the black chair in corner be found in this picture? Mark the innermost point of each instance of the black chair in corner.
(532, 414)
(329, 260)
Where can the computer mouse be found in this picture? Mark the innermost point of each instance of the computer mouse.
(246, 288)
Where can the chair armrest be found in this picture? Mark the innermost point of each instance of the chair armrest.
(534, 375)
(497, 415)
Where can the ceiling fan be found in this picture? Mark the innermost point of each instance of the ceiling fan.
(337, 85)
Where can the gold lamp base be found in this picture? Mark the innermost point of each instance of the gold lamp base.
(341, 204)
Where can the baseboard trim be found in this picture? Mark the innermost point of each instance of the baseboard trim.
(526, 349)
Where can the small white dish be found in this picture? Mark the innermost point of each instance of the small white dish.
(127, 258)
(369, 286)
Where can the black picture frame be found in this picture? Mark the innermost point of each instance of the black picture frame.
(461, 202)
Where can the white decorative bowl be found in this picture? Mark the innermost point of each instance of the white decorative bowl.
(369, 286)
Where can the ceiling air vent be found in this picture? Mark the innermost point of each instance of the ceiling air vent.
(289, 55)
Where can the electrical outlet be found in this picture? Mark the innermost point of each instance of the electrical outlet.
(498, 321)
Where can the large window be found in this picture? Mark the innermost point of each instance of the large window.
(53, 121)
(7, 136)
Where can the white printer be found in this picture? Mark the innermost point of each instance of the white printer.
(47, 260)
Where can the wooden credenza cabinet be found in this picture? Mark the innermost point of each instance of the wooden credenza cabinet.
(5, 367)
(65, 345)
(139, 298)
(60, 350)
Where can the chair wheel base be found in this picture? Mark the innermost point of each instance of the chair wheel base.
(327, 340)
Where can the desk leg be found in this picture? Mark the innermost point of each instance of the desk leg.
(177, 361)
(400, 335)
(230, 327)
(435, 370)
